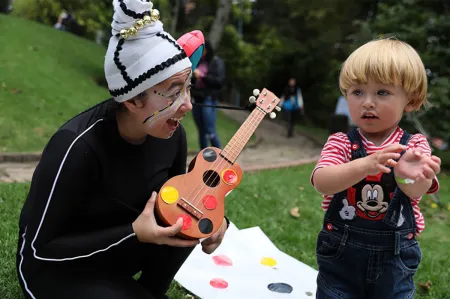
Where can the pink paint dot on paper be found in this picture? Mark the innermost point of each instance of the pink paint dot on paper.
(218, 283)
(222, 260)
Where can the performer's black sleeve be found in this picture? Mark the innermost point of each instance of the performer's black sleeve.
(60, 188)
(179, 166)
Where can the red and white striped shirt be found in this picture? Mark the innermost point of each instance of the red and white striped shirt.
(337, 150)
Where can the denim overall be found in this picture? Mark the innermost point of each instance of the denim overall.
(367, 246)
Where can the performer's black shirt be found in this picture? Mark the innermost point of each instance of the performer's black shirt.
(88, 188)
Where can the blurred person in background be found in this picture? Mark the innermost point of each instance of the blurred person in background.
(292, 104)
(208, 80)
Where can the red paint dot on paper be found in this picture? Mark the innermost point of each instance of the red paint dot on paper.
(210, 202)
(222, 260)
(187, 221)
(218, 283)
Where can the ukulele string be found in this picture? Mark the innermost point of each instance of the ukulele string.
(214, 167)
(219, 165)
(253, 123)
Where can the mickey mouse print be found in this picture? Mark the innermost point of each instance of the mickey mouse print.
(369, 199)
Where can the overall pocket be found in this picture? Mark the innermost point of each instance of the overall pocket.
(328, 246)
(409, 258)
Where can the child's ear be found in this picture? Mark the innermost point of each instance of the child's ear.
(409, 107)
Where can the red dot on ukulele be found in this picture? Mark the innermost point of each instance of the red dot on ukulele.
(187, 221)
(229, 176)
(210, 202)
(218, 283)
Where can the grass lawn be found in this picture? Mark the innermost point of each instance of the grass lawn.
(264, 199)
(47, 77)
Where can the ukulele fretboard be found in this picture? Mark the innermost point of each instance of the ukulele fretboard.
(234, 148)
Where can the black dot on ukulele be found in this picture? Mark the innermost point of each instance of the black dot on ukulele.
(280, 287)
(205, 226)
(209, 155)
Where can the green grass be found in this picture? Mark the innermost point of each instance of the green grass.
(264, 199)
(48, 76)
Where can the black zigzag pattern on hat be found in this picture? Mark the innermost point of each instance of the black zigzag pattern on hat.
(119, 65)
(164, 36)
(145, 76)
(131, 13)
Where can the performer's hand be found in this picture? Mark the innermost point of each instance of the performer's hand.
(148, 231)
(211, 244)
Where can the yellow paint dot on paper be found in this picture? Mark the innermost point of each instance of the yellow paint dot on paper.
(268, 261)
(169, 195)
(434, 206)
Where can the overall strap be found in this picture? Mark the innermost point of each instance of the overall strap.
(404, 141)
(400, 200)
(405, 138)
(358, 151)
(356, 144)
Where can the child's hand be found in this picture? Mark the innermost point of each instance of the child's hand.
(378, 161)
(417, 166)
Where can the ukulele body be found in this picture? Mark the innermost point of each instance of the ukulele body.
(198, 196)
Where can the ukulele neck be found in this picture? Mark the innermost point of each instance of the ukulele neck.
(234, 148)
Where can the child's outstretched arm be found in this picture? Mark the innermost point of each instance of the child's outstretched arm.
(336, 178)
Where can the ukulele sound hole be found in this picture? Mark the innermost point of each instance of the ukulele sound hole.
(211, 178)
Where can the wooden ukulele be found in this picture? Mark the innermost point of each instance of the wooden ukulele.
(198, 196)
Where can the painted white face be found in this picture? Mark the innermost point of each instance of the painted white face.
(168, 109)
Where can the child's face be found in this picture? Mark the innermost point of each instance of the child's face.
(377, 108)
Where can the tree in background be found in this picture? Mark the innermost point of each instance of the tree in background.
(305, 39)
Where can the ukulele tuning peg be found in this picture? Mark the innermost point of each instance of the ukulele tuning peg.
(256, 92)
(278, 108)
(252, 99)
(273, 115)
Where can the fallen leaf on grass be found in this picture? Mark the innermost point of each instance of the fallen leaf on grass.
(15, 91)
(256, 195)
(426, 286)
(4, 85)
(295, 213)
(301, 188)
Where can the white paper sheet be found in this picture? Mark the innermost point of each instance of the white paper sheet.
(246, 277)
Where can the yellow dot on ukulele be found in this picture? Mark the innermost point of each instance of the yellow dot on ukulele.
(169, 195)
(268, 261)
(433, 205)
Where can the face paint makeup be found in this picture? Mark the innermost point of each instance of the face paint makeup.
(167, 112)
